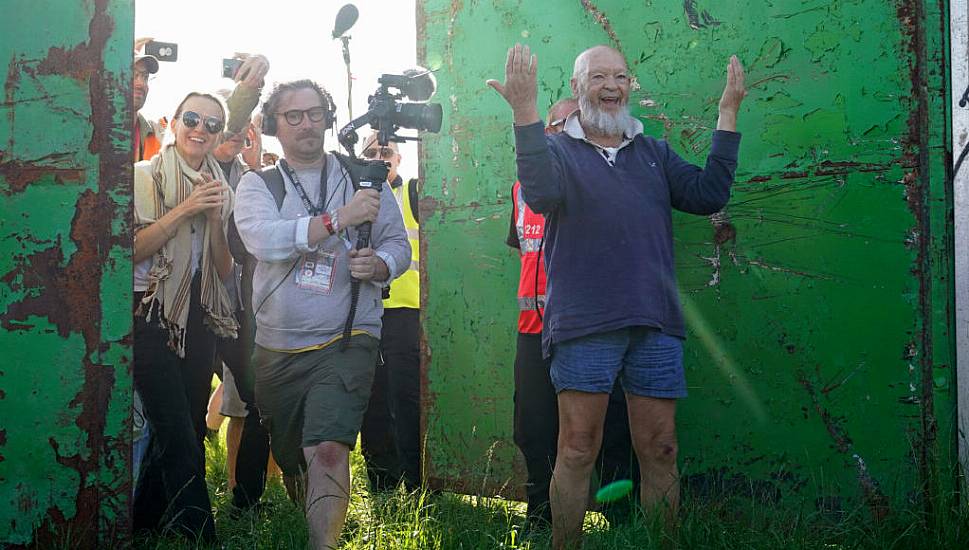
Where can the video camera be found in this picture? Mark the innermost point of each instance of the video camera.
(388, 112)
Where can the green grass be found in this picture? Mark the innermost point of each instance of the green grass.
(406, 521)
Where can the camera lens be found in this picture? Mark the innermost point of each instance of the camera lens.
(420, 116)
(432, 117)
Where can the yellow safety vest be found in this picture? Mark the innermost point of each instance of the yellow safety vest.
(405, 291)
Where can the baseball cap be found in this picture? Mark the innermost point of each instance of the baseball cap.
(150, 62)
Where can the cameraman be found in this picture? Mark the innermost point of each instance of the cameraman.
(312, 391)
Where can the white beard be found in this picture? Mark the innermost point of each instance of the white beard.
(601, 122)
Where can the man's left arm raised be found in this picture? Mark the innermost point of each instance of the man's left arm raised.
(705, 191)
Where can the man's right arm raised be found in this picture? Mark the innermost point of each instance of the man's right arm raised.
(537, 170)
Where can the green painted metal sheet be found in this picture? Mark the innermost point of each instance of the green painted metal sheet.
(65, 274)
(819, 358)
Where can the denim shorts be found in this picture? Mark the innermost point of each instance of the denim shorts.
(647, 362)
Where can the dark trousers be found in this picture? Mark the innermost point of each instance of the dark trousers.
(175, 391)
(537, 427)
(390, 438)
(254, 442)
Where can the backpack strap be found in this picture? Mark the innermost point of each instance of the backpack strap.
(273, 179)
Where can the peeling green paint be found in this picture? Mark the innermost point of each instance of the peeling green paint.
(818, 301)
(65, 274)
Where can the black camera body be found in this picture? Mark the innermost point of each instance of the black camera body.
(388, 112)
(365, 174)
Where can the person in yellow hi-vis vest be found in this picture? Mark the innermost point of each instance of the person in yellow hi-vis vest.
(390, 438)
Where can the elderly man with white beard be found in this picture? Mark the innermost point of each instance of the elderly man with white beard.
(612, 309)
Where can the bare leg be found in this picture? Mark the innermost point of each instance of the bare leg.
(213, 418)
(272, 469)
(327, 492)
(233, 435)
(652, 424)
(581, 416)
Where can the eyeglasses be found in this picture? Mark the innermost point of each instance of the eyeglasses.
(212, 124)
(295, 116)
(386, 153)
(558, 122)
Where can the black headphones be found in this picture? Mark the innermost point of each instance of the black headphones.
(269, 125)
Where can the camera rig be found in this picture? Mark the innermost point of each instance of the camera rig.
(387, 113)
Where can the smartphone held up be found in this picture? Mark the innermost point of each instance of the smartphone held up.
(230, 67)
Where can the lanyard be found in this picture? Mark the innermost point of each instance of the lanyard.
(313, 210)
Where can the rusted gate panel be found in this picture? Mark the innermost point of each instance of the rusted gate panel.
(819, 302)
(65, 273)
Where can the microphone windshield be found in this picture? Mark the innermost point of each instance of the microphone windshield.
(345, 19)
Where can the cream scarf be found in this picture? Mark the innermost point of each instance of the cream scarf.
(159, 187)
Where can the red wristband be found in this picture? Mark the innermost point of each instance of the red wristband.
(327, 222)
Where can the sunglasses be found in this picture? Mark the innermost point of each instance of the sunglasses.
(294, 117)
(386, 153)
(213, 125)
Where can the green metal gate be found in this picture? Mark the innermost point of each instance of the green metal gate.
(65, 273)
(820, 360)
(819, 302)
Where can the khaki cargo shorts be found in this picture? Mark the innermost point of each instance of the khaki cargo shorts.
(314, 396)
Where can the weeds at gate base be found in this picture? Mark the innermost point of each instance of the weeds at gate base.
(423, 520)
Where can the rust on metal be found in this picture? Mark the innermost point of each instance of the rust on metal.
(698, 19)
(873, 496)
(71, 292)
(911, 15)
(19, 175)
(603, 21)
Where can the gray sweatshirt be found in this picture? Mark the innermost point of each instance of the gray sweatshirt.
(289, 317)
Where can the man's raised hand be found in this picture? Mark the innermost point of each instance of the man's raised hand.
(520, 89)
(733, 94)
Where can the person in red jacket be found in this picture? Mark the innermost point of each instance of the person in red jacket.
(536, 406)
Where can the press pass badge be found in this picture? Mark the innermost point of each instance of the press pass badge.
(315, 272)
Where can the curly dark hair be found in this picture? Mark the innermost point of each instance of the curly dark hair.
(272, 103)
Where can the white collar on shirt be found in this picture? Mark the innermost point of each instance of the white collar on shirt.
(574, 129)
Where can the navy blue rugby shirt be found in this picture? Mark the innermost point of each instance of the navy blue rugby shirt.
(609, 233)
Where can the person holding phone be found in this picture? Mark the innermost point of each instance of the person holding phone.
(250, 78)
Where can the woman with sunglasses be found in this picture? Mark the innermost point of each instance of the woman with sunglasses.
(182, 206)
